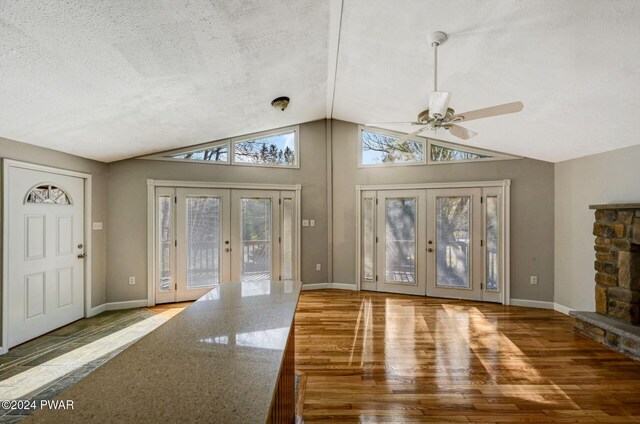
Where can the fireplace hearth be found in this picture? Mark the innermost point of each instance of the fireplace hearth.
(616, 322)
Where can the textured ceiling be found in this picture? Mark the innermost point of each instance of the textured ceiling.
(114, 79)
(109, 79)
(574, 63)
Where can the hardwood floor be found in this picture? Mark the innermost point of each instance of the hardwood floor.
(374, 357)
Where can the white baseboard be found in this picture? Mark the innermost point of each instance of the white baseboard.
(320, 286)
(316, 286)
(342, 286)
(97, 310)
(129, 304)
(561, 308)
(532, 303)
(114, 306)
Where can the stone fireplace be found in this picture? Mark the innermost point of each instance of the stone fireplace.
(616, 322)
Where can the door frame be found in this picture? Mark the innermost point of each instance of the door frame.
(504, 185)
(151, 214)
(7, 164)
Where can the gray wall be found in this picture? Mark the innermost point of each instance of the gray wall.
(610, 177)
(127, 215)
(531, 208)
(10, 149)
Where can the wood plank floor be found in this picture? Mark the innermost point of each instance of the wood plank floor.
(372, 357)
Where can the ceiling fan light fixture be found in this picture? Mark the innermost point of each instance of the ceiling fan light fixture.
(438, 104)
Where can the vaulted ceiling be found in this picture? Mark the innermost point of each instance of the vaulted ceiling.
(109, 80)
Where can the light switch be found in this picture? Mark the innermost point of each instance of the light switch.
(305, 222)
(97, 225)
(312, 223)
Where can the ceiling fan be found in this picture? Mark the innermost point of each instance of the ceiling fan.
(440, 115)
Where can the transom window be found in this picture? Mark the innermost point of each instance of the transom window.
(442, 152)
(279, 148)
(48, 194)
(383, 148)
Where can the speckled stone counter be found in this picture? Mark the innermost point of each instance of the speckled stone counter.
(219, 360)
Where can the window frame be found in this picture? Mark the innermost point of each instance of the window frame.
(453, 146)
(393, 134)
(256, 136)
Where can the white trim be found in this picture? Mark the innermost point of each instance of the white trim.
(316, 286)
(392, 134)
(329, 159)
(128, 304)
(97, 310)
(532, 303)
(505, 185)
(418, 186)
(505, 255)
(343, 286)
(88, 233)
(151, 218)
(322, 286)
(209, 184)
(562, 309)
(493, 155)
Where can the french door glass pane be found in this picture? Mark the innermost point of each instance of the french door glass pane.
(287, 239)
(203, 242)
(368, 238)
(453, 232)
(165, 242)
(492, 242)
(256, 239)
(400, 261)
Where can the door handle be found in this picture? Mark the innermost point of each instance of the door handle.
(227, 249)
(429, 250)
(82, 255)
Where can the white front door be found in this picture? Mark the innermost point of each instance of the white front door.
(46, 252)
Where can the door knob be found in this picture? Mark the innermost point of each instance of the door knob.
(226, 242)
(430, 242)
(227, 250)
(82, 255)
(429, 250)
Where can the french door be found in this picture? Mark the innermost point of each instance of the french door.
(205, 237)
(434, 242)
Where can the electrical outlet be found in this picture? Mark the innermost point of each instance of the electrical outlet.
(312, 223)
(305, 222)
(132, 281)
(97, 226)
(534, 279)
(318, 267)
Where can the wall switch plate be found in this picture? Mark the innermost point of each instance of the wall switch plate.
(318, 267)
(312, 223)
(132, 281)
(534, 279)
(97, 226)
(305, 222)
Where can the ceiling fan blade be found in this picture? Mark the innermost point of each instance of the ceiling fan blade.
(408, 136)
(373, 124)
(488, 112)
(460, 132)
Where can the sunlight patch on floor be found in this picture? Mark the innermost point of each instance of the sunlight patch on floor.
(21, 385)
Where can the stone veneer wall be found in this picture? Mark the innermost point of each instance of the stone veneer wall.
(617, 265)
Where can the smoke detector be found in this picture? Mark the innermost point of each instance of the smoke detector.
(280, 102)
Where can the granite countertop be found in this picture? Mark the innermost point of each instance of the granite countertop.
(216, 361)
